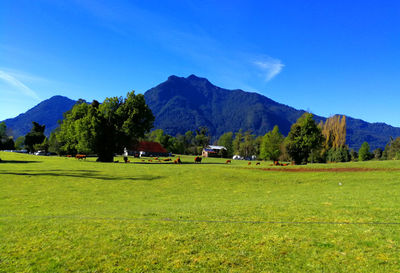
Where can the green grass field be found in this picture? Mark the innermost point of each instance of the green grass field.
(66, 215)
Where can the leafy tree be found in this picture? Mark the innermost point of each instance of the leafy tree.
(54, 144)
(363, 153)
(202, 138)
(271, 145)
(165, 140)
(35, 136)
(377, 153)
(6, 142)
(105, 128)
(3, 131)
(19, 143)
(353, 155)
(334, 132)
(248, 145)
(44, 146)
(392, 149)
(226, 140)
(237, 141)
(304, 137)
(339, 154)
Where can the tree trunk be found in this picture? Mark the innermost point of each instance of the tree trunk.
(103, 157)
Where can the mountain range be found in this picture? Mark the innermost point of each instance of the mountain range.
(47, 112)
(181, 104)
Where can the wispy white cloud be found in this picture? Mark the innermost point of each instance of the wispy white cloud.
(270, 67)
(18, 85)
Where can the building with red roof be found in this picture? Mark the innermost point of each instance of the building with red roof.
(148, 148)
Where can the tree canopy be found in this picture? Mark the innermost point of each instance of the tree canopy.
(271, 144)
(364, 153)
(304, 137)
(105, 128)
(35, 136)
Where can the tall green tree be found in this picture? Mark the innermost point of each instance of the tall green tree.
(3, 131)
(237, 141)
(304, 137)
(20, 142)
(35, 136)
(226, 140)
(392, 149)
(364, 153)
(6, 142)
(105, 128)
(271, 144)
(202, 138)
(248, 145)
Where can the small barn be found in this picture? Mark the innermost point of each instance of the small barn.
(213, 151)
(148, 148)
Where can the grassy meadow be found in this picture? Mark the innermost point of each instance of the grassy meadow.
(61, 214)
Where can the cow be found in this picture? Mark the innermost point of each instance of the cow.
(249, 163)
(167, 159)
(228, 161)
(197, 159)
(177, 161)
(78, 156)
(258, 163)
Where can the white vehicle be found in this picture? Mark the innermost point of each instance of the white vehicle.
(237, 157)
(40, 153)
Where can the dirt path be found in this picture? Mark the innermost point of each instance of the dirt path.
(285, 169)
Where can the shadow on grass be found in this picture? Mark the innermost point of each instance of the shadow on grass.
(79, 174)
(19, 161)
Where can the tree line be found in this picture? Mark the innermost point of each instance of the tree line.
(106, 128)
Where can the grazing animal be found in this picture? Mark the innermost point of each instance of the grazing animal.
(177, 161)
(258, 163)
(150, 160)
(249, 163)
(197, 159)
(228, 161)
(78, 156)
(167, 159)
(69, 156)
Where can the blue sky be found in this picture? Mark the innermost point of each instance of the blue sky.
(326, 57)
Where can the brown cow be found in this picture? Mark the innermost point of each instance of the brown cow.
(177, 161)
(249, 163)
(228, 161)
(197, 159)
(78, 156)
(258, 163)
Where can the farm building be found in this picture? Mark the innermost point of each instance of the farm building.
(148, 148)
(213, 151)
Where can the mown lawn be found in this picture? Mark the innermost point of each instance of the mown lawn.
(66, 215)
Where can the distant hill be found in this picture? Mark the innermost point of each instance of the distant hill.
(181, 104)
(48, 112)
